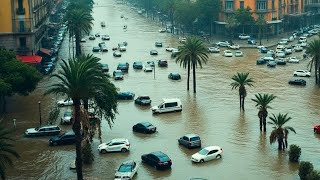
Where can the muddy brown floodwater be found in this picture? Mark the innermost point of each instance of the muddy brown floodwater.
(213, 112)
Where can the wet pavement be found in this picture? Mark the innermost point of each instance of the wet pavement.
(213, 112)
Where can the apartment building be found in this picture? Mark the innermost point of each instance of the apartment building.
(273, 11)
(23, 25)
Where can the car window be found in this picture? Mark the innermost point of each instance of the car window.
(125, 168)
(41, 129)
(195, 139)
(163, 158)
(185, 138)
(211, 152)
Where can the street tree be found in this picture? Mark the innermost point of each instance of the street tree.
(313, 49)
(193, 53)
(244, 17)
(240, 80)
(261, 23)
(232, 24)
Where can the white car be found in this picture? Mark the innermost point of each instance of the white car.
(126, 170)
(170, 49)
(280, 54)
(280, 47)
(260, 47)
(298, 48)
(66, 102)
(228, 53)
(122, 48)
(303, 44)
(148, 68)
(283, 42)
(162, 30)
(182, 40)
(288, 50)
(213, 50)
(119, 144)
(223, 44)
(207, 154)
(83, 40)
(291, 38)
(292, 60)
(234, 46)
(302, 73)
(238, 54)
(244, 36)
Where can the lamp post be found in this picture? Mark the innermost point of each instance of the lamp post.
(39, 103)
(154, 72)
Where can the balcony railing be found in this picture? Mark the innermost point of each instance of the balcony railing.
(22, 26)
(21, 11)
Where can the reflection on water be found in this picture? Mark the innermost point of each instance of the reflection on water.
(213, 113)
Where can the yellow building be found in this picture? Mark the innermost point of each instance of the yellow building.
(272, 10)
(23, 25)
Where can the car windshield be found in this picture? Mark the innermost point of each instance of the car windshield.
(146, 124)
(117, 73)
(195, 138)
(163, 158)
(145, 97)
(203, 152)
(125, 168)
(67, 114)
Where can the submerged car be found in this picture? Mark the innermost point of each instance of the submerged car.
(66, 102)
(66, 118)
(96, 49)
(281, 61)
(158, 44)
(299, 82)
(144, 127)
(157, 159)
(190, 141)
(123, 67)
(105, 37)
(207, 154)
(153, 52)
(316, 128)
(43, 131)
(117, 75)
(125, 95)
(213, 49)
(261, 61)
(143, 100)
(228, 53)
(148, 68)
(272, 63)
(117, 54)
(292, 60)
(115, 145)
(238, 54)
(302, 73)
(163, 63)
(66, 138)
(126, 170)
(174, 76)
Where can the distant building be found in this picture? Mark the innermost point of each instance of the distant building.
(23, 25)
(273, 11)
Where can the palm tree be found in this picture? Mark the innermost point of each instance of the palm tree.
(240, 80)
(279, 132)
(6, 150)
(313, 48)
(192, 54)
(78, 21)
(75, 78)
(232, 23)
(262, 102)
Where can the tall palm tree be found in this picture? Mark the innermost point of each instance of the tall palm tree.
(280, 132)
(78, 21)
(7, 151)
(75, 78)
(313, 49)
(262, 102)
(192, 54)
(240, 80)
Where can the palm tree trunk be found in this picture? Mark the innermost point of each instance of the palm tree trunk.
(188, 80)
(194, 77)
(78, 46)
(316, 69)
(77, 131)
(242, 104)
(240, 99)
(280, 143)
(264, 123)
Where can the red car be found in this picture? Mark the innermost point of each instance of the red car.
(316, 128)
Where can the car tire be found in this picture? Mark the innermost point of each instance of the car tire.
(201, 161)
(124, 150)
(218, 156)
(103, 151)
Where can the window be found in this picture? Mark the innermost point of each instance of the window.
(261, 5)
(229, 5)
(195, 139)
(241, 4)
(185, 138)
(23, 41)
(273, 8)
(20, 4)
(172, 104)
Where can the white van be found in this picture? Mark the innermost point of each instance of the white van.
(168, 105)
(302, 39)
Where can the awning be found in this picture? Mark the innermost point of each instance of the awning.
(45, 51)
(30, 59)
(274, 22)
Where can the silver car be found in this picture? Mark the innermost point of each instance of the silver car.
(190, 141)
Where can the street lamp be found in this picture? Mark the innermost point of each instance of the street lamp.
(154, 72)
(39, 103)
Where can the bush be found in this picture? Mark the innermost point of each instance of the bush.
(87, 155)
(305, 168)
(313, 175)
(294, 153)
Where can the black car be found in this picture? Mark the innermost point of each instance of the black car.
(143, 100)
(96, 49)
(158, 44)
(125, 95)
(123, 67)
(174, 76)
(300, 82)
(153, 52)
(137, 65)
(105, 67)
(144, 127)
(157, 159)
(281, 62)
(261, 61)
(66, 138)
(163, 63)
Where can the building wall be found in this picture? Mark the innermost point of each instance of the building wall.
(5, 16)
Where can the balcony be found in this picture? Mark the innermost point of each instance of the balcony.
(20, 11)
(22, 26)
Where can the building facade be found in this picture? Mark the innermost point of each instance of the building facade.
(23, 25)
(273, 11)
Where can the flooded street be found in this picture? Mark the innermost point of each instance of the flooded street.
(213, 113)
